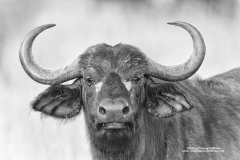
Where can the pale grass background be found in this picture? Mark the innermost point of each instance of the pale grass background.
(80, 24)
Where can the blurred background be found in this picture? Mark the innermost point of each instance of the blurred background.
(24, 134)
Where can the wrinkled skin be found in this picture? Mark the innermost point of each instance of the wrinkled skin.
(163, 118)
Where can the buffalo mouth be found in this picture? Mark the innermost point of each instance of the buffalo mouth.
(115, 126)
(113, 137)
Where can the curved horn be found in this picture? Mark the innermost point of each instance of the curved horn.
(187, 69)
(38, 73)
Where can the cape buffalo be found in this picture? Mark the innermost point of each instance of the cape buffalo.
(137, 109)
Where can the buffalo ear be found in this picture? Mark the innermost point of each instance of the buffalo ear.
(60, 101)
(165, 100)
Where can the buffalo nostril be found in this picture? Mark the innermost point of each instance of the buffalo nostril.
(102, 110)
(125, 110)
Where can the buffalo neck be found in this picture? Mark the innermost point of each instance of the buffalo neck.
(148, 143)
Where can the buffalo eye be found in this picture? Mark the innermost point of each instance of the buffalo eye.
(89, 80)
(135, 79)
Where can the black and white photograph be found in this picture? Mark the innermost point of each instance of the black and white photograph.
(120, 80)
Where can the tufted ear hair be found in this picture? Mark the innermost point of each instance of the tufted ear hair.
(166, 99)
(60, 101)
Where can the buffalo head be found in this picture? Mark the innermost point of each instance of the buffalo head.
(114, 87)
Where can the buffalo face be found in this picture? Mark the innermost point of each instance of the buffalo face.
(113, 94)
